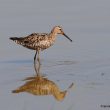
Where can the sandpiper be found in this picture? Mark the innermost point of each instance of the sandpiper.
(39, 41)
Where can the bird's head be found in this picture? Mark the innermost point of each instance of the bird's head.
(58, 30)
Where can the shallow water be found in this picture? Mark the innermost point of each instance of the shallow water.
(85, 62)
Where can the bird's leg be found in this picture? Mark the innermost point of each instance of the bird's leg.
(35, 63)
(39, 64)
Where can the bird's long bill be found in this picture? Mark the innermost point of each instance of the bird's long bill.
(67, 37)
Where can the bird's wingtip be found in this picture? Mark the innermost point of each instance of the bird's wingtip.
(13, 38)
(10, 38)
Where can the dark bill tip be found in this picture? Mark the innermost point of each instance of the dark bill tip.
(67, 37)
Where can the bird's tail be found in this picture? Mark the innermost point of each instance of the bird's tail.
(16, 39)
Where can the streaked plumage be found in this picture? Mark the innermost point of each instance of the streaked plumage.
(42, 86)
(39, 41)
(35, 41)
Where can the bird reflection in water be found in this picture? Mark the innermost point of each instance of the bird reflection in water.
(42, 86)
(39, 85)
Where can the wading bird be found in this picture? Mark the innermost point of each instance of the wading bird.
(39, 42)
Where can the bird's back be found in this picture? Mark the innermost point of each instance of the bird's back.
(34, 41)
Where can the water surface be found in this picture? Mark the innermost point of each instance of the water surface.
(85, 62)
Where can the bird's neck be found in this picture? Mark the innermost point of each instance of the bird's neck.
(52, 35)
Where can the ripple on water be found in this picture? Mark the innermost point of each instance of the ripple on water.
(58, 63)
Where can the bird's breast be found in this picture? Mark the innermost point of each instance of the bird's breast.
(45, 44)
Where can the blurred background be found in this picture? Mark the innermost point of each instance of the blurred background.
(85, 61)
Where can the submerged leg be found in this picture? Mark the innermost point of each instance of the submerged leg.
(39, 64)
(35, 63)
